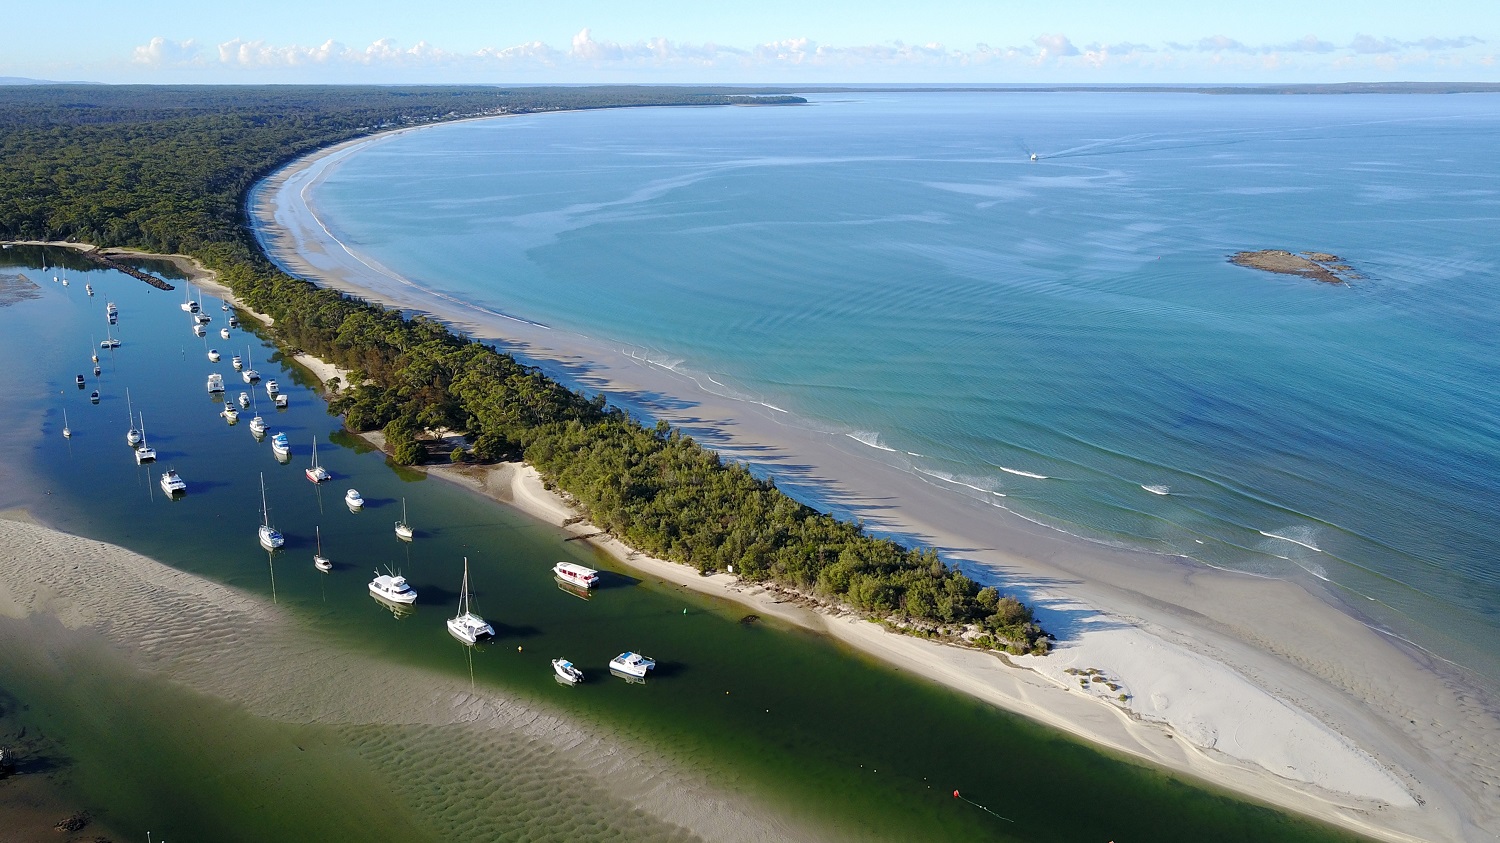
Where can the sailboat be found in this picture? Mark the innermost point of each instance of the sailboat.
(467, 626)
(403, 529)
(321, 562)
(316, 473)
(109, 341)
(132, 436)
(67, 431)
(257, 424)
(248, 373)
(187, 300)
(270, 537)
(144, 453)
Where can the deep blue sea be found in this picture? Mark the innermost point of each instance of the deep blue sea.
(1065, 333)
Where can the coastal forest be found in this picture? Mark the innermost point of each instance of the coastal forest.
(167, 169)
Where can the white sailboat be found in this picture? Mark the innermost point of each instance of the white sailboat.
(132, 436)
(316, 473)
(109, 341)
(467, 626)
(67, 431)
(248, 373)
(403, 529)
(187, 299)
(321, 562)
(270, 537)
(144, 453)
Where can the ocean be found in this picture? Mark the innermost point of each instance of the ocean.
(1062, 338)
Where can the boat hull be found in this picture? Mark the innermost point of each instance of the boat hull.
(395, 599)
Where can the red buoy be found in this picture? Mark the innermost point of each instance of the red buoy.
(955, 794)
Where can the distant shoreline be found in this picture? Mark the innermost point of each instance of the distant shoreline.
(1291, 643)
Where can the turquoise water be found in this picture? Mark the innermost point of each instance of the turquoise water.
(791, 721)
(1066, 333)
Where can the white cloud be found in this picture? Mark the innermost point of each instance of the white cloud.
(163, 51)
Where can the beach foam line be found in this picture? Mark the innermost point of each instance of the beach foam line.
(1307, 545)
(1020, 473)
(871, 439)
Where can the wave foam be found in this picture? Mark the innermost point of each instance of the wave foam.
(1307, 543)
(866, 438)
(1021, 473)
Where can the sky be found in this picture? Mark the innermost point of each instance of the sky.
(765, 41)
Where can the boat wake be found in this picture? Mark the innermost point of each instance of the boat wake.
(1157, 490)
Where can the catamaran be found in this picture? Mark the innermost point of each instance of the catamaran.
(321, 562)
(392, 589)
(270, 537)
(403, 529)
(132, 436)
(173, 484)
(109, 341)
(144, 453)
(576, 575)
(467, 626)
(316, 473)
(632, 664)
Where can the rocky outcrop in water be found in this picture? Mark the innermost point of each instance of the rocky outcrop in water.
(1318, 266)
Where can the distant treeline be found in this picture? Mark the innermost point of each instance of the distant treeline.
(167, 169)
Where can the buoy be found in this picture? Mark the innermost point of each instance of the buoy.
(955, 794)
(684, 611)
(518, 649)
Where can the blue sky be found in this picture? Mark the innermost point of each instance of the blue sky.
(773, 41)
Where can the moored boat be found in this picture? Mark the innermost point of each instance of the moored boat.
(236, 362)
(244, 400)
(566, 671)
(94, 397)
(393, 588)
(272, 388)
(281, 401)
(231, 413)
(321, 562)
(213, 355)
(281, 444)
(403, 529)
(467, 626)
(354, 500)
(270, 537)
(215, 382)
(632, 664)
(576, 575)
(198, 331)
(258, 426)
(224, 333)
(316, 473)
(144, 453)
(172, 483)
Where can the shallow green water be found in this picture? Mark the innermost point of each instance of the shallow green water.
(788, 718)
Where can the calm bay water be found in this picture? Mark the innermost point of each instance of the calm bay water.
(1067, 333)
(785, 717)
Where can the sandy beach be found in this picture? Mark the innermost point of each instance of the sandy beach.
(1254, 684)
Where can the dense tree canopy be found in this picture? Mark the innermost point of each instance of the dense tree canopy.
(168, 169)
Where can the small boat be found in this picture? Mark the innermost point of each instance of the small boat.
(65, 282)
(80, 381)
(576, 575)
(172, 483)
(97, 370)
(109, 343)
(281, 401)
(244, 400)
(89, 288)
(133, 435)
(281, 445)
(316, 473)
(392, 589)
(224, 306)
(632, 664)
(354, 500)
(321, 562)
(566, 671)
(198, 331)
(144, 453)
(270, 537)
(95, 356)
(215, 382)
(224, 333)
(272, 388)
(467, 626)
(258, 426)
(109, 308)
(231, 413)
(114, 318)
(202, 318)
(403, 529)
(233, 322)
(68, 431)
(236, 362)
(188, 305)
(250, 376)
(94, 397)
(213, 355)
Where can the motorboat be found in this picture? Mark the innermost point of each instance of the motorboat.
(213, 355)
(231, 413)
(393, 588)
(258, 426)
(172, 483)
(224, 333)
(234, 322)
(94, 397)
(270, 537)
(215, 382)
(244, 400)
(566, 671)
(109, 308)
(316, 473)
(281, 401)
(354, 500)
(80, 381)
(576, 575)
(236, 362)
(198, 331)
(467, 626)
(321, 562)
(272, 388)
(97, 370)
(280, 444)
(403, 529)
(88, 288)
(144, 453)
(632, 664)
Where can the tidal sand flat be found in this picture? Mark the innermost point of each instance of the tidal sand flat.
(1209, 656)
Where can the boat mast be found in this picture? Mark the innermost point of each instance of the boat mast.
(265, 513)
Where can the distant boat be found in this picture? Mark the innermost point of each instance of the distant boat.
(109, 308)
(244, 400)
(236, 362)
(65, 282)
(173, 484)
(403, 529)
(272, 388)
(94, 397)
(321, 562)
(270, 537)
(224, 333)
(281, 401)
(231, 413)
(316, 473)
(198, 331)
(632, 664)
(249, 374)
(467, 626)
(144, 453)
(94, 355)
(258, 426)
(80, 381)
(576, 575)
(215, 382)
(68, 432)
(213, 355)
(281, 445)
(89, 288)
(393, 589)
(566, 671)
(109, 341)
(133, 435)
(224, 306)
(97, 370)
(354, 500)
(188, 305)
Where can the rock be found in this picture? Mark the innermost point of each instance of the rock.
(1319, 266)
